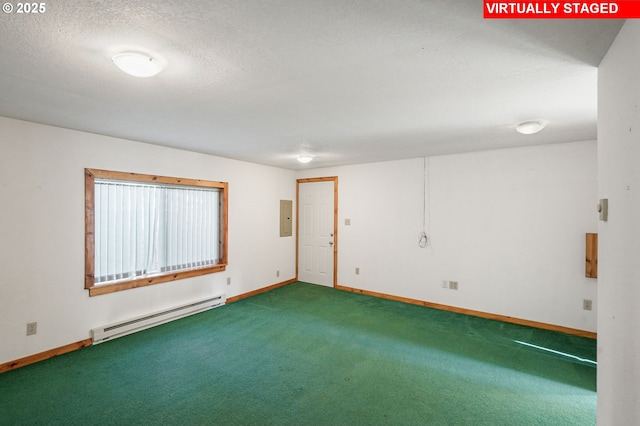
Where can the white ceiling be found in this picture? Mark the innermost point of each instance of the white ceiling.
(353, 81)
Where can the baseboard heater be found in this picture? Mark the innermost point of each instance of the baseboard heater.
(122, 328)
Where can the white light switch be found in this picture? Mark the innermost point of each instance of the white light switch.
(603, 209)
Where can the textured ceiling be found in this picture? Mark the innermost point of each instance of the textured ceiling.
(263, 80)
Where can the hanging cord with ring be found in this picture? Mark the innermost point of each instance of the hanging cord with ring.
(423, 239)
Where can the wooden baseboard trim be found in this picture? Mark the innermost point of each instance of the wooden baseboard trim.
(503, 318)
(260, 290)
(12, 365)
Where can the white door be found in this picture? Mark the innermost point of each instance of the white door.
(316, 242)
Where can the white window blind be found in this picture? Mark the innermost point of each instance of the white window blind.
(145, 229)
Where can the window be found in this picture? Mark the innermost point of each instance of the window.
(142, 230)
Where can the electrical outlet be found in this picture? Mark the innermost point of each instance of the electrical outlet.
(453, 285)
(32, 328)
(357, 271)
(347, 222)
(587, 304)
(277, 274)
(445, 284)
(228, 280)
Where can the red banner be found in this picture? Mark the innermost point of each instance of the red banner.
(561, 9)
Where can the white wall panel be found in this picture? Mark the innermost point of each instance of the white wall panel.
(508, 225)
(619, 237)
(42, 232)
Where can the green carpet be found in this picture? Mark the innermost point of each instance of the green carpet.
(311, 355)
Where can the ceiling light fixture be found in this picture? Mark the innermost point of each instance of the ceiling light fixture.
(530, 127)
(137, 64)
(304, 159)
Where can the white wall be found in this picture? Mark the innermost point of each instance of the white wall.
(42, 232)
(619, 237)
(508, 225)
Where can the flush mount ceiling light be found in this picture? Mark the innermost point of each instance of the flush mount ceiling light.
(530, 127)
(137, 64)
(306, 158)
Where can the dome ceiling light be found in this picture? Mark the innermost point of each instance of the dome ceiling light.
(530, 127)
(306, 158)
(137, 64)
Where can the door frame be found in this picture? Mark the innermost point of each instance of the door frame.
(333, 179)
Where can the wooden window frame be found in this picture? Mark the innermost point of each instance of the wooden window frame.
(89, 220)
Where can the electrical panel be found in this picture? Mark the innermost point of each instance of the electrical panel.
(286, 221)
